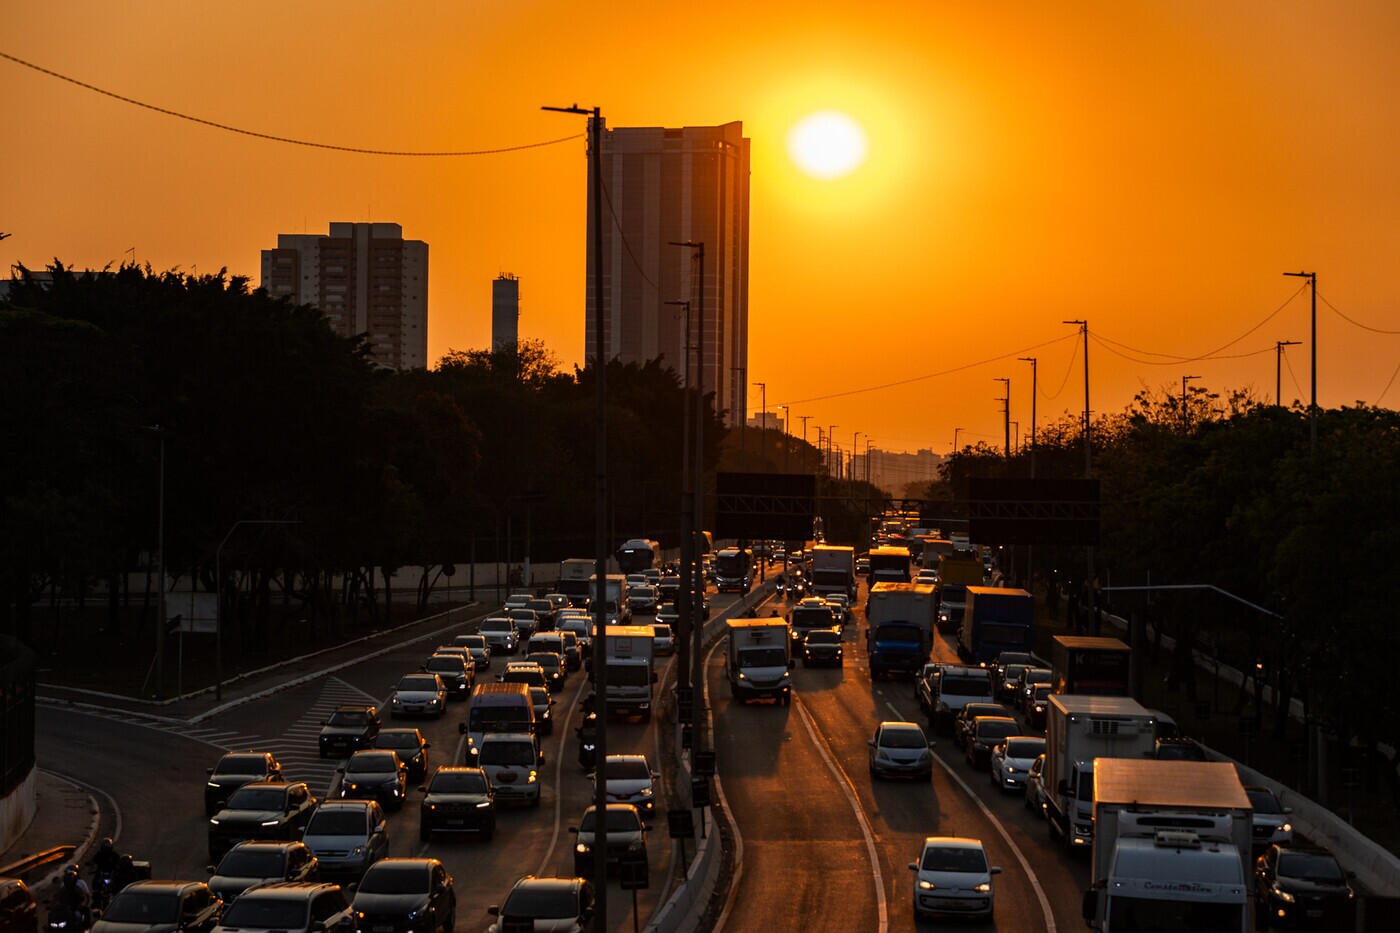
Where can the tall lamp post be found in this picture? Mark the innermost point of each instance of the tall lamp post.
(785, 410)
(1278, 368)
(1312, 406)
(956, 432)
(1185, 419)
(219, 597)
(1084, 330)
(1035, 390)
(830, 447)
(694, 578)
(683, 606)
(805, 418)
(1005, 412)
(763, 417)
(855, 437)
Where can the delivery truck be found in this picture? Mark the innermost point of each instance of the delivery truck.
(1079, 730)
(758, 662)
(956, 572)
(890, 565)
(899, 633)
(994, 621)
(630, 671)
(833, 570)
(614, 597)
(1089, 666)
(574, 574)
(1171, 850)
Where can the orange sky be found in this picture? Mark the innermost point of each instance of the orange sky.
(1152, 167)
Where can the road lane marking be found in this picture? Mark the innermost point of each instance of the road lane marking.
(1015, 849)
(850, 790)
(543, 870)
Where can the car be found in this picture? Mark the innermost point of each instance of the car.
(527, 621)
(410, 746)
(1005, 678)
(19, 911)
(900, 749)
(349, 728)
(233, 771)
(822, 646)
(458, 674)
(663, 640)
(544, 613)
(1025, 685)
(252, 863)
(562, 904)
(512, 762)
(1011, 761)
(1035, 786)
(542, 700)
(582, 629)
(406, 895)
(985, 733)
(573, 654)
(627, 839)
(926, 686)
(629, 779)
(1005, 658)
(372, 774)
(642, 600)
(420, 695)
(477, 649)
(840, 605)
(809, 614)
(260, 810)
(290, 907)
(457, 800)
(552, 663)
(1271, 825)
(1038, 706)
(636, 579)
(1178, 749)
(951, 876)
(958, 685)
(529, 673)
(162, 907)
(558, 601)
(501, 634)
(347, 836)
(517, 601)
(862, 566)
(962, 722)
(1304, 887)
(927, 576)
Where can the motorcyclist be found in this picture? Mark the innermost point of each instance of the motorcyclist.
(587, 733)
(104, 866)
(73, 896)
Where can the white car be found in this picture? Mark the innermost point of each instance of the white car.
(501, 634)
(1011, 761)
(630, 780)
(518, 601)
(512, 762)
(900, 748)
(951, 876)
(420, 695)
(1035, 787)
(1270, 820)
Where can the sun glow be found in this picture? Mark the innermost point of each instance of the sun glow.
(827, 144)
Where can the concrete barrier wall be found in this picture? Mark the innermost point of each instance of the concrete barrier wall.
(17, 810)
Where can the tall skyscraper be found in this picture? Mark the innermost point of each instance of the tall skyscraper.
(366, 279)
(675, 185)
(505, 312)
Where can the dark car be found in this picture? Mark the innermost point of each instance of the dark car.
(1025, 684)
(822, 646)
(458, 800)
(411, 747)
(233, 771)
(984, 734)
(348, 836)
(457, 673)
(541, 699)
(406, 895)
(962, 722)
(477, 649)
(545, 611)
(418, 695)
(1179, 749)
(627, 839)
(349, 728)
(563, 903)
(1006, 678)
(552, 664)
(372, 774)
(252, 863)
(1038, 706)
(162, 907)
(19, 912)
(573, 654)
(1304, 887)
(290, 907)
(812, 613)
(262, 810)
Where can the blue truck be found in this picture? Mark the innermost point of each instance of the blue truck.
(899, 638)
(996, 620)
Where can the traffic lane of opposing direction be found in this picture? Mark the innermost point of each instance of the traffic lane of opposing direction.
(805, 866)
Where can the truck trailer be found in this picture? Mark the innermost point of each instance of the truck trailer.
(956, 572)
(1079, 730)
(1089, 666)
(1171, 849)
(995, 620)
(899, 636)
(833, 570)
(758, 661)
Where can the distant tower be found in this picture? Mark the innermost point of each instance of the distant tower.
(505, 312)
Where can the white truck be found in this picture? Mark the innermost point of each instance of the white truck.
(614, 597)
(758, 662)
(1078, 730)
(833, 570)
(630, 671)
(574, 574)
(899, 635)
(1171, 848)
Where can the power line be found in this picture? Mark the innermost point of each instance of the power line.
(1063, 382)
(1374, 330)
(1213, 354)
(1292, 376)
(617, 225)
(1104, 342)
(1395, 372)
(278, 139)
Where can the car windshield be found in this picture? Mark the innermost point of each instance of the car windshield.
(428, 684)
(540, 903)
(626, 769)
(458, 782)
(1311, 866)
(241, 764)
(396, 879)
(661, 631)
(1042, 691)
(140, 907)
(618, 820)
(496, 625)
(997, 729)
(973, 710)
(1264, 801)
(469, 641)
(1025, 748)
(937, 858)
(397, 740)
(902, 738)
(257, 798)
(498, 719)
(545, 659)
(445, 665)
(335, 821)
(765, 657)
(953, 685)
(348, 718)
(507, 753)
(628, 675)
(1012, 672)
(361, 763)
(811, 618)
(241, 863)
(539, 696)
(1038, 675)
(266, 913)
(823, 638)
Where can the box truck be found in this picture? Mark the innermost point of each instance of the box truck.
(758, 661)
(833, 570)
(630, 672)
(1088, 666)
(899, 636)
(995, 620)
(1079, 730)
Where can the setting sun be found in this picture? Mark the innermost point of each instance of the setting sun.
(827, 144)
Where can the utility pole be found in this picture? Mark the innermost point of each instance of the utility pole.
(854, 437)
(1005, 412)
(683, 606)
(763, 422)
(695, 578)
(1312, 406)
(1035, 389)
(1278, 368)
(787, 413)
(1084, 329)
(804, 441)
(830, 447)
(1185, 418)
(741, 398)
(868, 445)
(956, 431)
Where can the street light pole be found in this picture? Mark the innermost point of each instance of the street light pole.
(219, 598)
(683, 605)
(1035, 390)
(1006, 412)
(786, 414)
(852, 474)
(763, 409)
(1278, 368)
(1084, 330)
(741, 398)
(1185, 420)
(695, 578)
(1312, 406)
(956, 431)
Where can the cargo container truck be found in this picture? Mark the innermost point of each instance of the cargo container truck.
(994, 621)
(630, 671)
(833, 570)
(956, 572)
(1079, 730)
(1089, 666)
(899, 633)
(758, 662)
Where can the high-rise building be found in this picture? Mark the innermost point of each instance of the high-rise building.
(366, 279)
(675, 185)
(505, 312)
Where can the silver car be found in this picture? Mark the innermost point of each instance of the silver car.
(347, 837)
(629, 779)
(1011, 761)
(418, 695)
(900, 749)
(951, 876)
(501, 634)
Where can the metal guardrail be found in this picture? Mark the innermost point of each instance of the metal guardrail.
(38, 860)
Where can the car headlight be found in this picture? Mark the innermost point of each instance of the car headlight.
(634, 847)
(58, 924)
(359, 915)
(1287, 827)
(926, 885)
(533, 777)
(545, 714)
(787, 675)
(429, 806)
(743, 676)
(271, 822)
(646, 792)
(1283, 895)
(396, 701)
(483, 805)
(583, 848)
(213, 822)
(358, 850)
(213, 785)
(1009, 769)
(983, 888)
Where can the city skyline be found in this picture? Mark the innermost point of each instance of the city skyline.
(1152, 169)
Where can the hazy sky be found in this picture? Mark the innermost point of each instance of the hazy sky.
(1152, 166)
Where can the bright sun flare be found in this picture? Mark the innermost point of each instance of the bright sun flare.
(827, 144)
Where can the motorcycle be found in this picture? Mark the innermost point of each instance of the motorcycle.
(588, 742)
(63, 917)
(103, 888)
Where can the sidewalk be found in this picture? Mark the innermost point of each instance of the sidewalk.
(65, 815)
